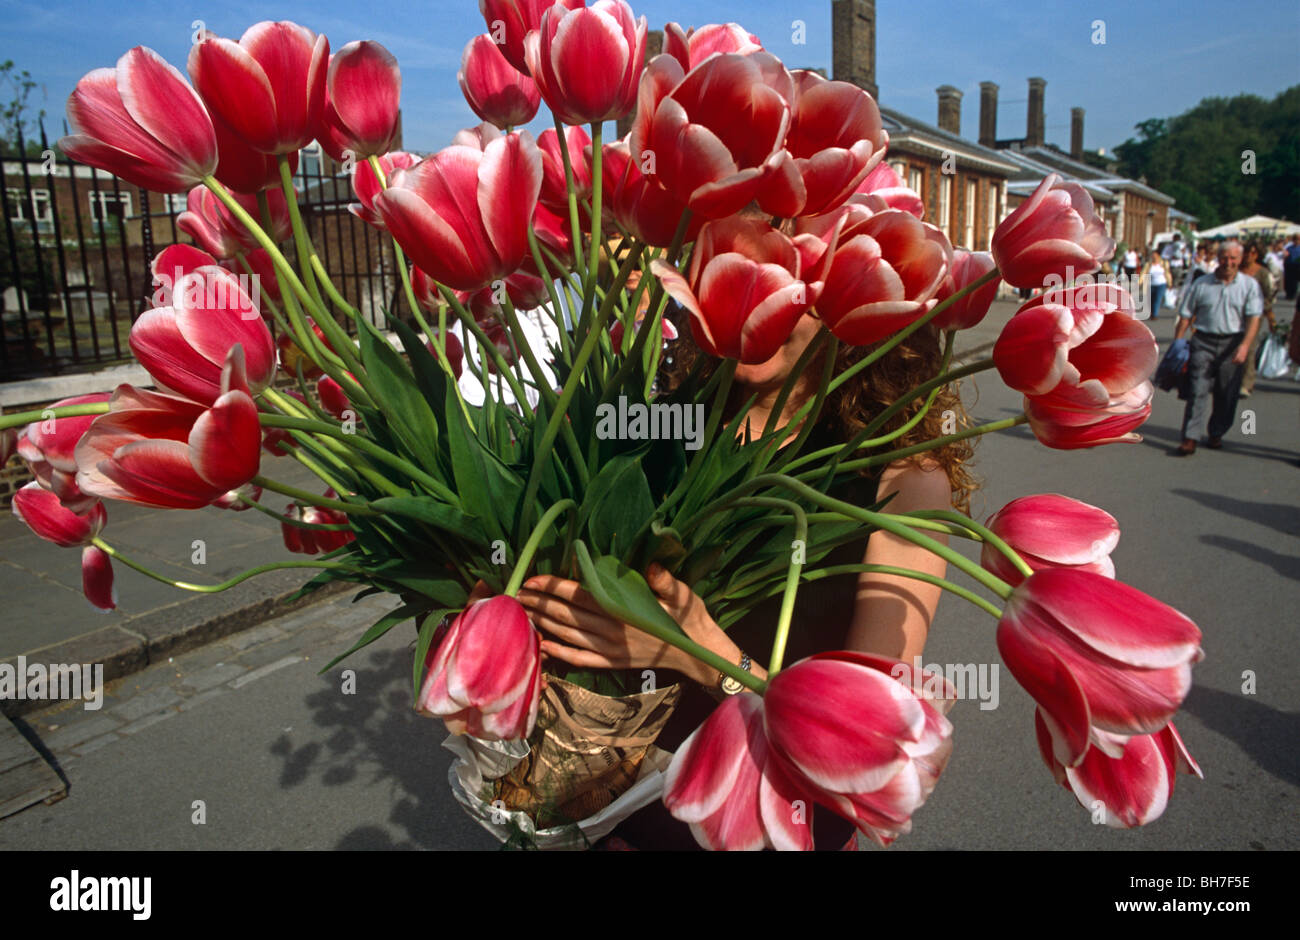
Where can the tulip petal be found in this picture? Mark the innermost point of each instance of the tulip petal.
(97, 578)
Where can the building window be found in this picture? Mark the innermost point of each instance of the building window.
(310, 160)
(994, 215)
(945, 204)
(900, 170)
(175, 202)
(104, 205)
(914, 182)
(36, 209)
(968, 221)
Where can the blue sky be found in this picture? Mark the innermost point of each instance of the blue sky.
(1159, 57)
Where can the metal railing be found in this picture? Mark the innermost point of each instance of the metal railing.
(77, 242)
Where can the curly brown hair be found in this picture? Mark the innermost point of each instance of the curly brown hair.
(853, 405)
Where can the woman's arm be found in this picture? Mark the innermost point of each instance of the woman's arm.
(893, 613)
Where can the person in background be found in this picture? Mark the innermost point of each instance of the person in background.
(1291, 266)
(1174, 258)
(1225, 309)
(1131, 263)
(1253, 266)
(1275, 258)
(1156, 275)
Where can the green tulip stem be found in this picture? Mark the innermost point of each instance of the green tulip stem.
(213, 588)
(575, 230)
(314, 499)
(534, 540)
(21, 418)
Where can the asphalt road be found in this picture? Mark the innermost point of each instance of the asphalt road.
(282, 758)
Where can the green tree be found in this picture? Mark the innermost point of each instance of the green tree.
(1202, 157)
(16, 86)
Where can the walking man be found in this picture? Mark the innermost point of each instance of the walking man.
(1225, 308)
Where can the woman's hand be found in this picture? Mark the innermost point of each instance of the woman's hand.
(587, 637)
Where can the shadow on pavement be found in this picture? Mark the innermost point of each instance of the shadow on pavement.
(377, 735)
(1264, 733)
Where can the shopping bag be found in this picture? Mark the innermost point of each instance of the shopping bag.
(1274, 362)
(1171, 298)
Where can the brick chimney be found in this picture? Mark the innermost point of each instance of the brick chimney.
(988, 114)
(853, 57)
(1076, 133)
(654, 44)
(1035, 123)
(949, 109)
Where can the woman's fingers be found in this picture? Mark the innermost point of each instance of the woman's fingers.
(569, 613)
(564, 589)
(583, 659)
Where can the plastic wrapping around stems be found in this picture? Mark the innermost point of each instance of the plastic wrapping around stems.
(590, 763)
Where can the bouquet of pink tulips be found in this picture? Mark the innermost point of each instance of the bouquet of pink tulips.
(424, 494)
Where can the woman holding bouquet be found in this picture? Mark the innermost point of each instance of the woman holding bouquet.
(875, 613)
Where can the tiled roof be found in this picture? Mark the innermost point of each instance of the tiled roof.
(907, 133)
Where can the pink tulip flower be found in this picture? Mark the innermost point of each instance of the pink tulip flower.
(867, 732)
(496, 91)
(1056, 232)
(366, 185)
(586, 61)
(725, 782)
(1103, 660)
(692, 46)
(835, 139)
(49, 446)
(219, 233)
(748, 286)
(269, 87)
(241, 168)
(169, 452)
(863, 735)
(360, 114)
(686, 124)
(478, 136)
(232, 501)
(886, 269)
(509, 21)
(462, 215)
(306, 541)
(887, 186)
(1133, 789)
(1071, 419)
(639, 204)
(42, 512)
(967, 268)
(268, 279)
(1086, 340)
(1049, 530)
(485, 677)
(143, 122)
(332, 397)
(185, 346)
(555, 192)
(454, 349)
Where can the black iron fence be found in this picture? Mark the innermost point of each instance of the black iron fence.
(77, 242)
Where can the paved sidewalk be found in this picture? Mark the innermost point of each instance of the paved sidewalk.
(50, 620)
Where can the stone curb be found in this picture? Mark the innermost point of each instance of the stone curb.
(139, 642)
